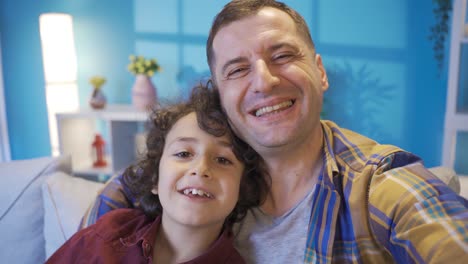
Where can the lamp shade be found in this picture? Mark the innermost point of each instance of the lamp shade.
(60, 70)
(58, 48)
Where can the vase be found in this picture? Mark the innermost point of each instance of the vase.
(143, 93)
(98, 99)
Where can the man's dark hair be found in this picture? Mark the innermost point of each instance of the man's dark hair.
(239, 9)
(204, 101)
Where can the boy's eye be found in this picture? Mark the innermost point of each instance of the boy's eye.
(223, 161)
(183, 154)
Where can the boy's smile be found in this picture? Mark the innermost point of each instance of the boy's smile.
(193, 192)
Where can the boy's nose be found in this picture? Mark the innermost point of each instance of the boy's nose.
(201, 168)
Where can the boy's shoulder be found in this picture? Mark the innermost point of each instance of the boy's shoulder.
(119, 223)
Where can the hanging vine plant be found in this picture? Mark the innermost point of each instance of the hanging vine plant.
(440, 29)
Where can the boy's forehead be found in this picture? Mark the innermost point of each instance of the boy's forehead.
(185, 124)
(187, 129)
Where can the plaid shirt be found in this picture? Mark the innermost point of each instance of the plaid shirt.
(378, 204)
(374, 204)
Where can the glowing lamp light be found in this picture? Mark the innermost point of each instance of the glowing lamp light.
(60, 68)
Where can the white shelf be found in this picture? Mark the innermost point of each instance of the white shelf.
(111, 112)
(77, 130)
(86, 167)
(458, 121)
(455, 122)
(90, 170)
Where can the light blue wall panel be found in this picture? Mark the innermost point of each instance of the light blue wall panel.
(159, 16)
(461, 153)
(104, 38)
(363, 23)
(305, 8)
(365, 95)
(195, 68)
(198, 15)
(462, 91)
(195, 57)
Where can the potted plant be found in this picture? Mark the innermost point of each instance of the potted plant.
(98, 99)
(144, 94)
(440, 29)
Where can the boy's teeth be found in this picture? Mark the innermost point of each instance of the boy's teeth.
(268, 109)
(196, 192)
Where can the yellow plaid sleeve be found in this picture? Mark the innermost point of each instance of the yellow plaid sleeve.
(417, 217)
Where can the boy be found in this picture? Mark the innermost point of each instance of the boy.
(197, 180)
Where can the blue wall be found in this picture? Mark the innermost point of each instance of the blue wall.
(383, 79)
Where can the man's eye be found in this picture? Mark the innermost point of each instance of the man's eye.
(183, 154)
(223, 161)
(237, 73)
(282, 57)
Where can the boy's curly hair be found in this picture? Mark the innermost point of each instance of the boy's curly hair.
(141, 177)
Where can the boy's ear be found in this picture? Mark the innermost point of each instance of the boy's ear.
(154, 190)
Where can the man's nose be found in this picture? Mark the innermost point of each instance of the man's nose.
(265, 78)
(200, 167)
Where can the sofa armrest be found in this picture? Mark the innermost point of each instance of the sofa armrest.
(448, 176)
(66, 199)
(21, 207)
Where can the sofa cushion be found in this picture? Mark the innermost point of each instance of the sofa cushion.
(448, 176)
(21, 207)
(66, 199)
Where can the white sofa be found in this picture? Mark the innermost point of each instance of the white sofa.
(41, 205)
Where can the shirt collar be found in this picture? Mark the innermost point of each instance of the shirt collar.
(220, 250)
(144, 238)
(330, 167)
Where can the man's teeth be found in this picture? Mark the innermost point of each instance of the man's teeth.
(197, 192)
(269, 109)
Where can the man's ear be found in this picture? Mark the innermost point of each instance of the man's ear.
(323, 72)
(155, 190)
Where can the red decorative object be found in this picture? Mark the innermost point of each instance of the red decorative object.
(98, 146)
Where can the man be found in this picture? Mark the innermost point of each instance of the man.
(335, 196)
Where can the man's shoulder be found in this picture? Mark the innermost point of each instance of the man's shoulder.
(358, 151)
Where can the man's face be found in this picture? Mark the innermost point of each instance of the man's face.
(270, 81)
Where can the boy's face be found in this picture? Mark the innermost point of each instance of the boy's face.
(199, 176)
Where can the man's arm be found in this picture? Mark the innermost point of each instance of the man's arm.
(417, 217)
(113, 196)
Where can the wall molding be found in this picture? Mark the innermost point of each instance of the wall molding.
(4, 142)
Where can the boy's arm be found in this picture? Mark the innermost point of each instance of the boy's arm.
(113, 196)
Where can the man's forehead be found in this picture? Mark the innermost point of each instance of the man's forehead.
(260, 35)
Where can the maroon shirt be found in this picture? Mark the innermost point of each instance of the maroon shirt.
(127, 236)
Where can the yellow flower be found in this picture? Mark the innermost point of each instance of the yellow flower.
(97, 81)
(141, 65)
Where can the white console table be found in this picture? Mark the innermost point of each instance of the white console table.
(118, 124)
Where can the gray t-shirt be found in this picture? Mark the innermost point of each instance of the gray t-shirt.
(262, 238)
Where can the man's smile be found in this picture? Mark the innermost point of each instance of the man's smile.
(272, 108)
